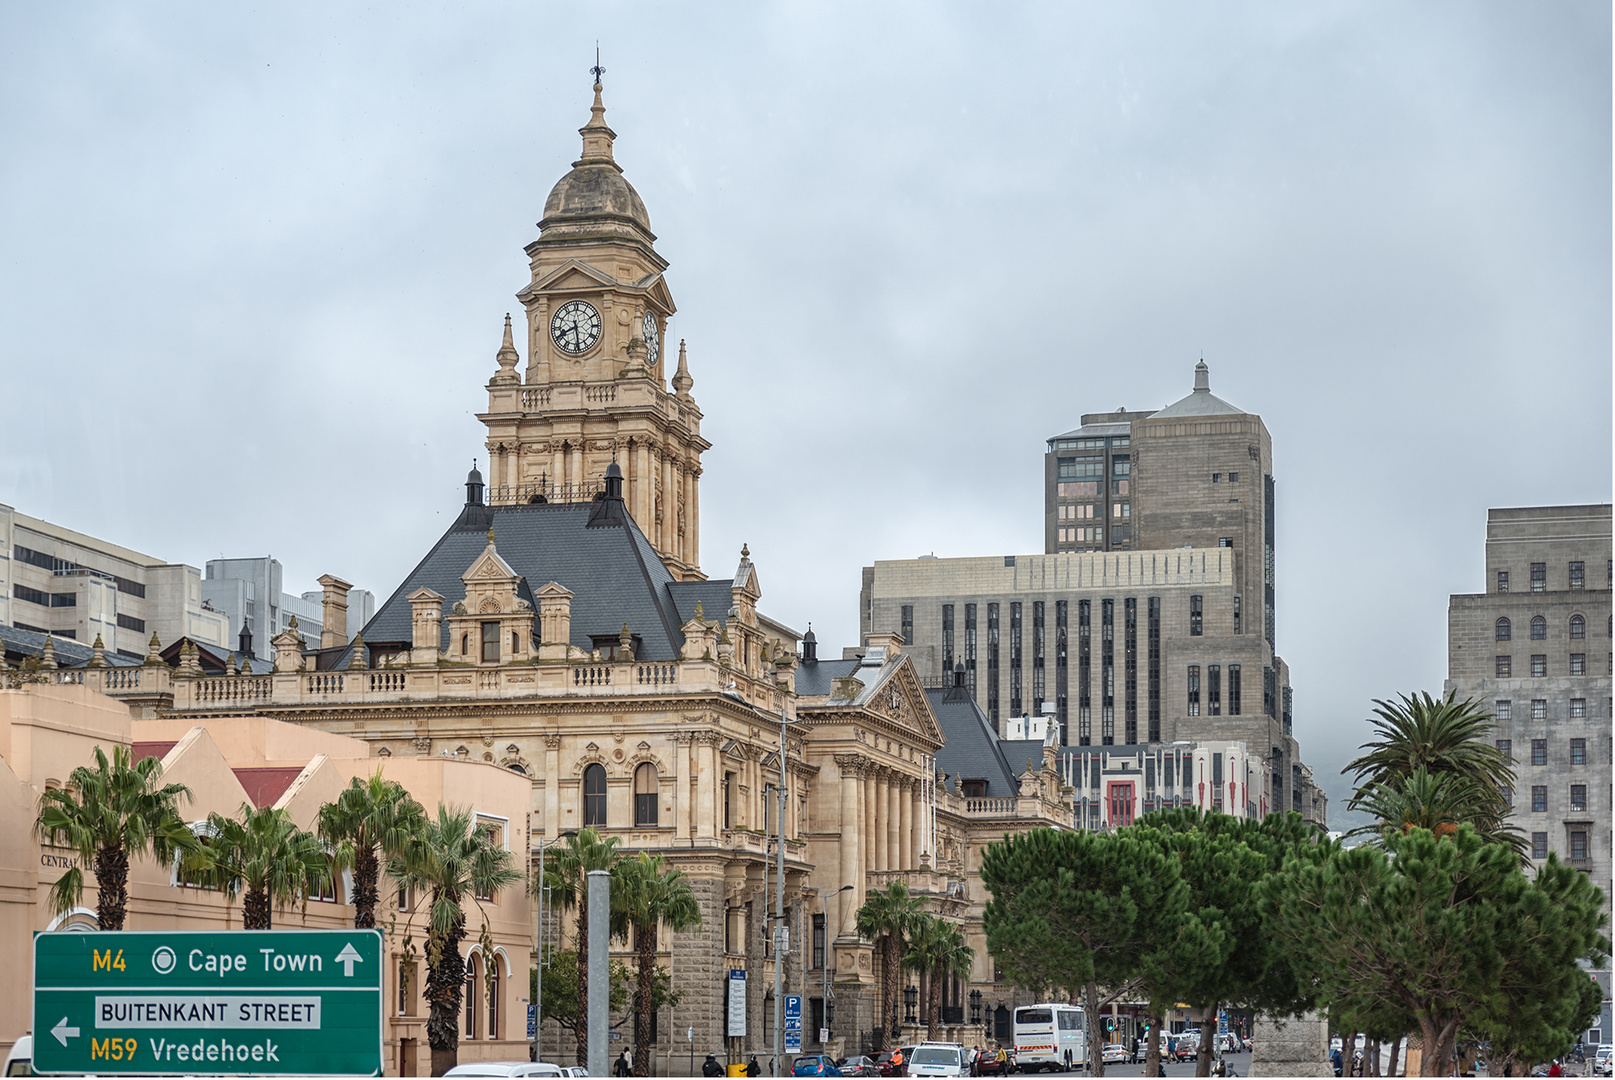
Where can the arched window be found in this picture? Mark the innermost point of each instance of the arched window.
(1505, 630)
(472, 995)
(1539, 628)
(594, 795)
(1578, 627)
(646, 794)
(465, 644)
(493, 997)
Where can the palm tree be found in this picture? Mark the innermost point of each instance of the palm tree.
(568, 878)
(924, 947)
(107, 815)
(1439, 802)
(645, 893)
(369, 816)
(1440, 735)
(453, 860)
(955, 957)
(264, 856)
(887, 917)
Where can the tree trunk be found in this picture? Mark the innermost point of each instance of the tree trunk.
(366, 871)
(255, 910)
(1396, 1049)
(892, 965)
(1152, 1052)
(1096, 1048)
(933, 1002)
(646, 941)
(445, 988)
(1208, 1043)
(1430, 1060)
(111, 887)
(583, 977)
(1372, 1054)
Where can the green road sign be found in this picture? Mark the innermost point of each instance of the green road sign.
(138, 1002)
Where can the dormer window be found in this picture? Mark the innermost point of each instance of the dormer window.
(490, 643)
(608, 646)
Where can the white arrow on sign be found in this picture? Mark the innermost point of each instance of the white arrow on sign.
(63, 1032)
(347, 958)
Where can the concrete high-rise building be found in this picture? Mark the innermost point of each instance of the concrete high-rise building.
(1528, 650)
(249, 592)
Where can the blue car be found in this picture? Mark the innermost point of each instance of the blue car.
(815, 1065)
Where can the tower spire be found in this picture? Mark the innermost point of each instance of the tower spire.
(597, 137)
(681, 378)
(507, 357)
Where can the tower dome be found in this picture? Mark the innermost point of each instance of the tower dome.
(595, 197)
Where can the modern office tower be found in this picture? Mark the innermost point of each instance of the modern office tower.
(1529, 649)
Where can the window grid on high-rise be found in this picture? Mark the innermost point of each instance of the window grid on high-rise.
(1194, 690)
(1154, 675)
(1015, 698)
(1061, 685)
(1107, 671)
(1130, 671)
(1084, 670)
(992, 663)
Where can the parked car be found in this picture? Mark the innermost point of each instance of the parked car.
(937, 1059)
(883, 1062)
(1603, 1060)
(815, 1065)
(1116, 1054)
(858, 1065)
(994, 1062)
(506, 1069)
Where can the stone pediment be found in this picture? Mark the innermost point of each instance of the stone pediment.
(572, 274)
(488, 567)
(655, 286)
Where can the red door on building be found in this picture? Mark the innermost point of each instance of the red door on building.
(1121, 805)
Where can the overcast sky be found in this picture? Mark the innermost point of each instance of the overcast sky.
(256, 264)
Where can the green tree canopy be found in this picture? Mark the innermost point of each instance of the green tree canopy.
(106, 815)
(453, 860)
(263, 856)
(371, 820)
(567, 875)
(888, 917)
(1439, 929)
(646, 894)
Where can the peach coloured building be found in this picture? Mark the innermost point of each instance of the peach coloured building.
(46, 730)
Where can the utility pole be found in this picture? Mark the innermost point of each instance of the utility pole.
(599, 1019)
(782, 933)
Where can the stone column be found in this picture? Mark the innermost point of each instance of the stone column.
(642, 485)
(575, 466)
(894, 821)
(552, 786)
(665, 531)
(693, 530)
(883, 807)
(851, 833)
(906, 829)
(556, 469)
(681, 784)
(708, 776)
(869, 849)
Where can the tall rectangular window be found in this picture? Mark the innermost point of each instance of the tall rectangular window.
(1578, 663)
(1539, 751)
(1269, 570)
(970, 650)
(1107, 671)
(1505, 709)
(1270, 693)
(947, 642)
(1539, 666)
(1237, 630)
(1155, 668)
(1084, 673)
(1578, 798)
(1504, 663)
(1578, 751)
(1213, 689)
(490, 642)
(992, 663)
(1196, 616)
(1578, 575)
(1578, 845)
(1037, 659)
(1233, 689)
(1502, 581)
(1539, 798)
(1506, 748)
(1539, 845)
(1016, 701)
(908, 624)
(1539, 708)
(1061, 687)
(1130, 671)
(818, 941)
(1194, 690)
(1539, 577)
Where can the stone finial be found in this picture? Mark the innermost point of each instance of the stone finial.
(507, 357)
(625, 644)
(490, 536)
(745, 551)
(98, 651)
(681, 378)
(597, 137)
(230, 665)
(357, 661)
(47, 653)
(246, 665)
(699, 611)
(154, 650)
(1202, 378)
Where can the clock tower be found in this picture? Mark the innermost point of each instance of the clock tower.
(596, 388)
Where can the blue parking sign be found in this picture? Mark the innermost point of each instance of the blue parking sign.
(793, 1023)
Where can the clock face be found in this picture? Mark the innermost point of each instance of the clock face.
(653, 340)
(575, 327)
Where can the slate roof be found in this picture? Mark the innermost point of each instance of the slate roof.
(17, 643)
(1201, 401)
(595, 551)
(815, 679)
(972, 749)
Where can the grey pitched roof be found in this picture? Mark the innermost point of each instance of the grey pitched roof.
(1096, 431)
(971, 749)
(17, 643)
(1201, 401)
(1017, 752)
(612, 571)
(814, 680)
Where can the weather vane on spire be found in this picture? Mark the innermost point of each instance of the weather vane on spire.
(597, 70)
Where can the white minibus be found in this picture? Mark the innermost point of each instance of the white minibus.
(1050, 1036)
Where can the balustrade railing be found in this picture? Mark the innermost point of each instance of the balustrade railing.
(487, 680)
(386, 680)
(536, 398)
(545, 492)
(599, 395)
(989, 806)
(228, 688)
(591, 675)
(75, 678)
(120, 679)
(657, 674)
(324, 682)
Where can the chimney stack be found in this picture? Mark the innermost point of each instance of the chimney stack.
(334, 621)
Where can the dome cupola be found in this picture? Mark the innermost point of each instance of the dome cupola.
(595, 197)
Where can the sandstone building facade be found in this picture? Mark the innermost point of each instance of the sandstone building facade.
(1534, 650)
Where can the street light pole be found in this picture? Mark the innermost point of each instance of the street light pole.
(782, 933)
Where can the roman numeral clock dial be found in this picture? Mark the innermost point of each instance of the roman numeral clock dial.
(575, 327)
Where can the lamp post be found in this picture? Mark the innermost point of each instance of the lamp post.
(538, 977)
(829, 955)
(782, 932)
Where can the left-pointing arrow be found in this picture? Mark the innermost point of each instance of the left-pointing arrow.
(63, 1032)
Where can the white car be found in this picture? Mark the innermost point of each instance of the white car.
(937, 1059)
(1604, 1060)
(507, 1069)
